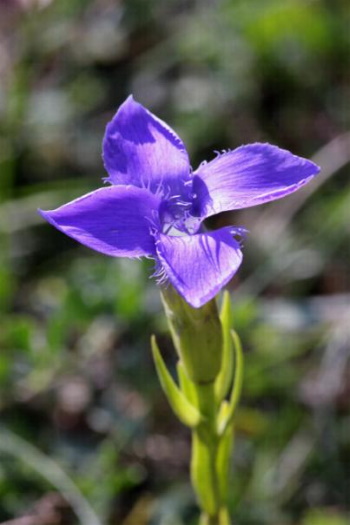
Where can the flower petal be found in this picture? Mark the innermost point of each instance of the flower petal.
(115, 220)
(141, 150)
(248, 176)
(198, 266)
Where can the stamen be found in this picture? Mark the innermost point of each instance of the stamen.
(168, 229)
(172, 197)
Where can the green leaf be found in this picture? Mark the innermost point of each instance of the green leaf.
(184, 410)
(226, 414)
(224, 379)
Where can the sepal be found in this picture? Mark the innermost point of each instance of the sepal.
(227, 413)
(224, 379)
(184, 410)
(196, 334)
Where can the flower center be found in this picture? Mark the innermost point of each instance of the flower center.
(175, 217)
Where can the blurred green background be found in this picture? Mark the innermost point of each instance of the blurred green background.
(77, 384)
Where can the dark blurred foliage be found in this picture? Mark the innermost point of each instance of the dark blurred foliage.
(78, 388)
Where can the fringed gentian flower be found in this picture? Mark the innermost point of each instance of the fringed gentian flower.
(155, 205)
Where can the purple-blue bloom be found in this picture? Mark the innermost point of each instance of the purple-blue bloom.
(155, 205)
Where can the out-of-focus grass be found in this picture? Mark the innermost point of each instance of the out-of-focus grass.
(76, 377)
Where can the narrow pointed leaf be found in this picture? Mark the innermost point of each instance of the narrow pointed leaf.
(184, 410)
(186, 385)
(224, 379)
(226, 416)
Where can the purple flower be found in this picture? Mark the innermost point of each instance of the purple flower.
(155, 205)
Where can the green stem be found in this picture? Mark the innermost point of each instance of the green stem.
(207, 403)
(204, 347)
(204, 464)
(203, 472)
(204, 449)
(221, 519)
